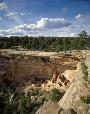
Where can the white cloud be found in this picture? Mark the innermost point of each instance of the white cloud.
(16, 32)
(83, 18)
(26, 27)
(9, 14)
(11, 32)
(47, 27)
(14, 16)
(52, 23)
(79, 16)
(45, 23)
(3, 6)
(67, 31)
(44, 26)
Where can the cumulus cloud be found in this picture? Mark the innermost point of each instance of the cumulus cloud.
(3, 6)
(45, 23)
(52, 23)
(41, 27)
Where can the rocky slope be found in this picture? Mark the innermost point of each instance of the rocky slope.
(72, 102)
(49, 108)
(73, 97)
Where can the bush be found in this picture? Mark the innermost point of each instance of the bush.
(85, 99)
(15, 101)
(84, 69)
(56, 95)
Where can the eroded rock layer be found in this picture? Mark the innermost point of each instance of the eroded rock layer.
(39, 67)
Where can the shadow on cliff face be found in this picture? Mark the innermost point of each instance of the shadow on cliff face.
(31, 69)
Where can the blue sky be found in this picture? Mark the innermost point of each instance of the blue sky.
(44, 17)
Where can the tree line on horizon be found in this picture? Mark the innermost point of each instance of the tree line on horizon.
(82, 42)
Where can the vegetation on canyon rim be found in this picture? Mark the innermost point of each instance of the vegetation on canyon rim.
(82, 41)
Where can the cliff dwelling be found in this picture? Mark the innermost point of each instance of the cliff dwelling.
(44, 69)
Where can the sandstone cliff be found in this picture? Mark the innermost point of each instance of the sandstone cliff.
(45, 68)
(72, 97)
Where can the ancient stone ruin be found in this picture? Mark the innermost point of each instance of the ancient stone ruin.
(39, 68)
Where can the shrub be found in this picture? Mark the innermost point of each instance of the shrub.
(56, 95)
(18, 102)
(84, 69)
(85, 99)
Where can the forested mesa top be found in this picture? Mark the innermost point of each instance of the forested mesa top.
(41, 43)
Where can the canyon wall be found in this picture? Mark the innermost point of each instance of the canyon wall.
(38, 69)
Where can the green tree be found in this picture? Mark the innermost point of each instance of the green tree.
(83, 34)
